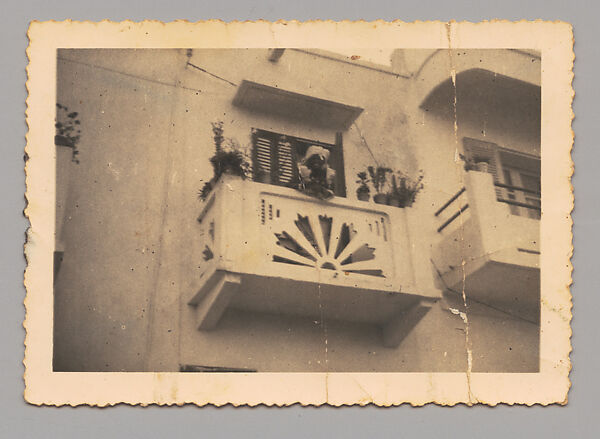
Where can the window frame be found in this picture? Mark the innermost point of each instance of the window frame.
(336, 158)
(526, 164)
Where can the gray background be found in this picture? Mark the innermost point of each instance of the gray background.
(578, 419)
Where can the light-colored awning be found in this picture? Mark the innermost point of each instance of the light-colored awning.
(283, 103)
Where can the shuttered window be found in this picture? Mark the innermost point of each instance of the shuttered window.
(519, 171)
(285, 162)
(478, 150)
(262, 155)
(275, 158)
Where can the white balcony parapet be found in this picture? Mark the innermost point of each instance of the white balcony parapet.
(485, 250)
(273, 249)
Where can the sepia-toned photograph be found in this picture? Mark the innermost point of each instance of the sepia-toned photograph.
(297, 210)
(239, 211)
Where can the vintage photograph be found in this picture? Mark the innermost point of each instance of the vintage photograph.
(297, 210)
(344, 223)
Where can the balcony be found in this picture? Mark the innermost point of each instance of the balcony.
(272, 249)
(488, 250)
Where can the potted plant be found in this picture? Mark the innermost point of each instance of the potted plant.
(475, 164)
(482, 165)
(228, 159)
(394, 197)
(404, 189)
(379, 179)
(469, 163)
(363, 193)
(68, 130)
(228, 162)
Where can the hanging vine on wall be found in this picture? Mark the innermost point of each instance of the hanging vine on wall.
(68, 131)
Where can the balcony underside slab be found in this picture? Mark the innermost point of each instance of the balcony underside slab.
(510, 288)
(310, 299)
(395, 312)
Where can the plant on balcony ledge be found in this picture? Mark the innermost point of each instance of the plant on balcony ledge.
(228, 159)
(379, 179)
(206, 190)
(478, 164)
(363, 193)
(404, 189)
(68, 132)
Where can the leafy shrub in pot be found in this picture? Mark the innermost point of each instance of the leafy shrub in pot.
(379, 180)
(227, 159)
(404, 189)
(475, 164)
(363, 193)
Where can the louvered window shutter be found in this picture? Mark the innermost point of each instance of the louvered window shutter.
(261, 155)
(275, 155)
(286, 162)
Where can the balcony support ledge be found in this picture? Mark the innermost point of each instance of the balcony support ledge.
(215, 301)
(398, 327)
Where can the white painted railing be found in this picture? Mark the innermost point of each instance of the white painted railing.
(273, 249)
(263, 229)
(485, 250)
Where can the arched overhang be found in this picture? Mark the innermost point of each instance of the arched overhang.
(480, 94)
(438, 66)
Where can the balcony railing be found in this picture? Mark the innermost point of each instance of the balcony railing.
(456, 214)
(485, 249)
(273, 249)
(500, 199)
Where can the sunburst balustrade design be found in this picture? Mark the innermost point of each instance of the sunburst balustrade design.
(322, 243)
(271, 249)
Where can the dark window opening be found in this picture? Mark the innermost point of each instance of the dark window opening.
(275, 159)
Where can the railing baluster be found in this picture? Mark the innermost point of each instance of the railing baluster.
(452, 218)
(450, 201)
(518, 203)
(516, 188)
